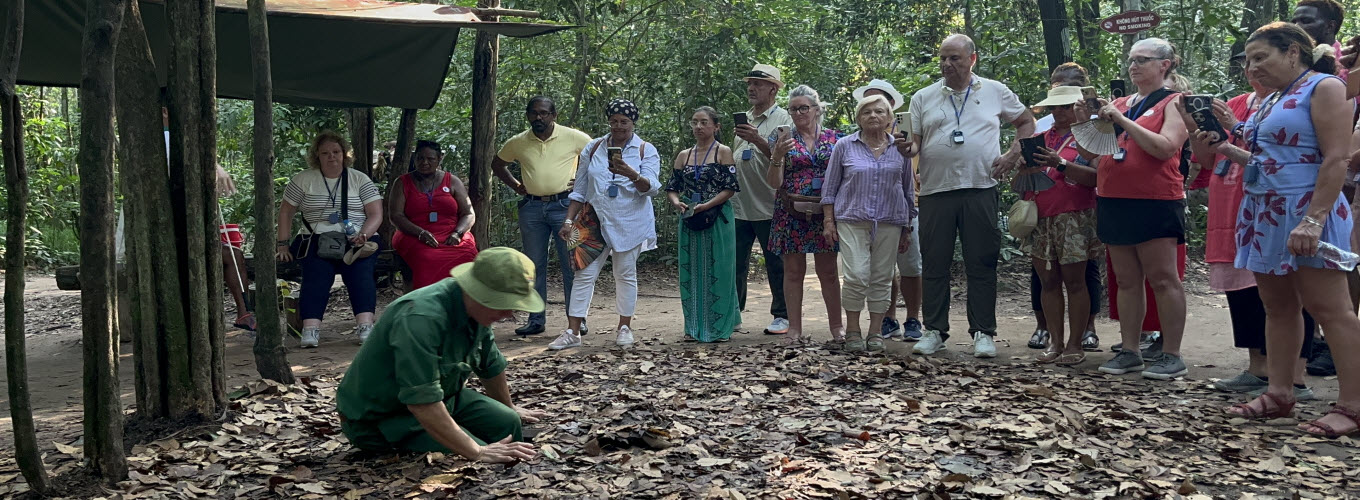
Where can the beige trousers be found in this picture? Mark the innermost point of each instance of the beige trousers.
(869, 262)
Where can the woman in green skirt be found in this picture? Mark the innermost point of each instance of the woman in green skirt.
(704, 178)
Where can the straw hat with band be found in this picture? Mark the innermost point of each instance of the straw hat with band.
(500, 278)
(1059, 96)
(765, 72)
(893, 95)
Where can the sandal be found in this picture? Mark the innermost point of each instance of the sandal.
(1047, 357)
(1071, 359)
(837, 341)
(1327, 430)
(794, 340)
(875, 343)
(690, 338)
(245, 322)
(1282, 408)
(855, 342)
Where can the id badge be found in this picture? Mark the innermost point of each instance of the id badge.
(694, 198)
(434, 216)
(746, 154)
(1118, 155)
(334, 218)
(1222, 167)
(958, 137)
(1252, 172)
(614, 190)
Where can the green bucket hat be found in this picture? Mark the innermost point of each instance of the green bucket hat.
(500, 278)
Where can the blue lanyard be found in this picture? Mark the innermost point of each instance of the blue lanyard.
(958, 111)
(700, 168)
(1262, 113)
(429, 195)
(1062, 143)
(331, 193)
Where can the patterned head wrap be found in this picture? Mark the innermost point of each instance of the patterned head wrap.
(622, 107)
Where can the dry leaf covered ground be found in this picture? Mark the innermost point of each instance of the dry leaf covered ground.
(749, 420)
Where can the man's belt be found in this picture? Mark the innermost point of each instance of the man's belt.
(556, 197)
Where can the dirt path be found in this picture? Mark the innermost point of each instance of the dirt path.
(55, 361)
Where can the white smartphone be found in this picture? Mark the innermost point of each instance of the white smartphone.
(904, 122)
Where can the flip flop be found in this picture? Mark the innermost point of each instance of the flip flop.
(1047, 357)
(245, 322)
(1070, 359)
(1327, 430)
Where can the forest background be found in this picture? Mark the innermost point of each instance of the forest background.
(669, 57)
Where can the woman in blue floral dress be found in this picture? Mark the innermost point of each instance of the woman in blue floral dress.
(798, 163)
(1293, 229)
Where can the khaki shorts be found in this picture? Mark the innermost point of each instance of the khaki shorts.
(909, 262)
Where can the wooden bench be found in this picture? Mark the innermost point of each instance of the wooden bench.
(385, 271)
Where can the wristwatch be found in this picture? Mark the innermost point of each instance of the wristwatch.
(282, 242)
(1062, 165)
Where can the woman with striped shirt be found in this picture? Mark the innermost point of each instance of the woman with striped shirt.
(329, 202)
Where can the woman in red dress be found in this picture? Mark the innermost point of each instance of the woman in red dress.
(433, 214)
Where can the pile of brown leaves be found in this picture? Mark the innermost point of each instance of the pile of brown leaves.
(739, 422)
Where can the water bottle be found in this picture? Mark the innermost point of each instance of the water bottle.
(351, 227)
(1343, 259)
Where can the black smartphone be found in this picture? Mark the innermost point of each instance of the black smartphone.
(1092, 100)
(615, 152)
(1201, 109)
(1117, 89)
(739, 118)
(1029, 147)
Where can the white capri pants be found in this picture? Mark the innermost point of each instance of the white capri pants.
(868, 259)
(625, 282)
(909, 262)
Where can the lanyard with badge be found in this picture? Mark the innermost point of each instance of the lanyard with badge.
(334, 217)
(1131, 114)
(1252, 172)
(958, 112)
(429, 197)
(699, 169)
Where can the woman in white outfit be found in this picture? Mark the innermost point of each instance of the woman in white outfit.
(620, 189)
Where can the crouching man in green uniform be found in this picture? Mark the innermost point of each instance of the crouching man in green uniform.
(406, 389)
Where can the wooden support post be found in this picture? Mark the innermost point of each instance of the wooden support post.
(361, 138)
(103, 423)
(16, 204)
(271, 358)
(484, 55)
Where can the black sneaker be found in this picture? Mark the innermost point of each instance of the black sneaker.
(1320, 364)
(1090, 342)
(530, 328)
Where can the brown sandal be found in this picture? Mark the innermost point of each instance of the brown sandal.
(1071, 359)
(1327, 430)
(1283, 409)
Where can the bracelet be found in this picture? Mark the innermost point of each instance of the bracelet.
(1310, 220)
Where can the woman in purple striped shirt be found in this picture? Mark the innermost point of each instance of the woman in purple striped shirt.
(867, 207)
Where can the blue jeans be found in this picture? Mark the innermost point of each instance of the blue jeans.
(540, 221)
(318, 275)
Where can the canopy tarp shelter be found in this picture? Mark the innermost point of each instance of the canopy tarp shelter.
(337, 53)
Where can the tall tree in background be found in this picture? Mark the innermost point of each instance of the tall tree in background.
(1255, 14)
(16, 205)
(103, 408)
(271, 358)
(193, 159)
(1057, 46)
(485, 55)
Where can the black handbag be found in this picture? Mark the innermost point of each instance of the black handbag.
(331, 244)
(705, 219)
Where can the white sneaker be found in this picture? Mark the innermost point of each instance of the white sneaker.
(567, 340)
(364, 331)
(736, 327)
(779, 325)
(311, 336)
(625, 337)
(983, 346)
(930, 343)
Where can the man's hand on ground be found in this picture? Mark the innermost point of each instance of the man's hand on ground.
(504, 451)
(530, 416)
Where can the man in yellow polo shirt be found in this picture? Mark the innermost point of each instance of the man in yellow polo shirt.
(546, 154)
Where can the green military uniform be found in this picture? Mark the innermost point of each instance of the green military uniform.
(422, 351)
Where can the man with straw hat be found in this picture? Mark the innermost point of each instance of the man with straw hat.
(754, 204)
(406, 389)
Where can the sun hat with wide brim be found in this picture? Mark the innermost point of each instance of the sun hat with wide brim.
(1059, 96)
(359, 252)
(876, 84)
(500, 278)
(765, 72)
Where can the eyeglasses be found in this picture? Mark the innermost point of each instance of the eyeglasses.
(802, 109)
(1140, 60)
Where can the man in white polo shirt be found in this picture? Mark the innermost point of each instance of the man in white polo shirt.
(956, 130)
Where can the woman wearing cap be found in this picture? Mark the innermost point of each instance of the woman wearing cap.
(332, 197)
(867, 206)
(1293, 231)
(620, 189)
(705, 178)
(432, 214)
(797, 169)
(1064, 240)
(1140, 208)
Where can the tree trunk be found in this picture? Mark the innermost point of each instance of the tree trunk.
(1129, 40)
(16, 187)
(406, 141)
(271, 358)
(152, 260)
(193, 151)
(103, 408)
(1056, 46)
(1087, 14)
(583, 53)
(361, 138)
(1256, 13)
(484, 59)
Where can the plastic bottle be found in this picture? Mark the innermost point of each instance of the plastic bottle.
(1343, 259)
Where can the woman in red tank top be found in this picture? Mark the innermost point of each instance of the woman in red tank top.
(1140, 208)
(433, 214)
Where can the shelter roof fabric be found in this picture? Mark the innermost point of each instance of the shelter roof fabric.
(343, 53)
